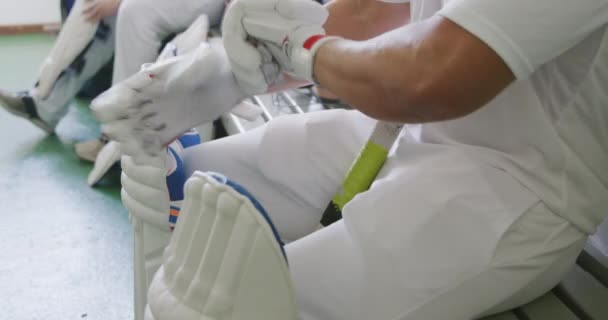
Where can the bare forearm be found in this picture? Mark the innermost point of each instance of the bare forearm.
(364, 19)
(357, 20)
(418, 73)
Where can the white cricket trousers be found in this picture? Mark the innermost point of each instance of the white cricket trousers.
(439, 235)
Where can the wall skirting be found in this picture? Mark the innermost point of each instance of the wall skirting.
(29, 28)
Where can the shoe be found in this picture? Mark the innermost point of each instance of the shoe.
(23, 105)
(88, 150)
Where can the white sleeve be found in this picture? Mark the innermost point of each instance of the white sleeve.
(528, 33)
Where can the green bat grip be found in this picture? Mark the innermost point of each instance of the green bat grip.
(364, 170)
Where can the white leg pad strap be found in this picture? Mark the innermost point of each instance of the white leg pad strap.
(75, 35)
(223, 261)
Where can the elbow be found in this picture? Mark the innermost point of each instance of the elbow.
(428, 101)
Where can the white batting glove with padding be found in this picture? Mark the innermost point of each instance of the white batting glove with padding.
(286, 32)
(151, 108)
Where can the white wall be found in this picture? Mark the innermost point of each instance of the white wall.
(20, 12)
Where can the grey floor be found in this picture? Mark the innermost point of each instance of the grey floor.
(66, 249)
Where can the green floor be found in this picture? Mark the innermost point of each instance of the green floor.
(66, 249)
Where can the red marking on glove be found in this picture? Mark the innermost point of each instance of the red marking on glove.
(312, 40)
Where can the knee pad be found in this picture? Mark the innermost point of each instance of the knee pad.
(75, 36)
(224, 261)
(153, 196)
